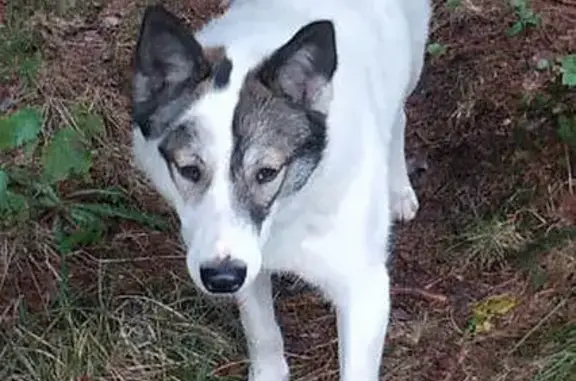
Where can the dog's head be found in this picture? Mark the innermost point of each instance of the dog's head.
(235, 140)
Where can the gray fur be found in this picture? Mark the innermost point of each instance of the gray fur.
(182, 149)
(272, 132)
(280, 122)
(222, 71)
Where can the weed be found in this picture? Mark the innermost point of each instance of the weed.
(453, 4)
(567, 129)
(568, 68)
(436, 49)
(29, 193)
(489, 241)
(556, 101)
(525, 18)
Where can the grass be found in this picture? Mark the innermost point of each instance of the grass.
(561, 364)
(56, 215)
(118, 337)
(490, 240)
(93, 284)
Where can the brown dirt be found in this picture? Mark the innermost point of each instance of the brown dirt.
(485, 154)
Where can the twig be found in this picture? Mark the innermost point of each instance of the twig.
(227, 366)
(418, 292)
(537, 326)
(137, 259)
(568, 169)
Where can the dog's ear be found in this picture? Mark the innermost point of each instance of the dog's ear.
(168, 60)
(302, 67)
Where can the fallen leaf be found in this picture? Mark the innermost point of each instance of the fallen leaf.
(486, 310)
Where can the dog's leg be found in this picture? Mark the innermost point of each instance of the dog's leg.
(403, 199)
(265, 345)
(363, 310)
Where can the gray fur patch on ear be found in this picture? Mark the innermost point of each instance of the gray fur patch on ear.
(302, 69)
(299, 81)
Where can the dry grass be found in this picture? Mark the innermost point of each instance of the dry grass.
(127, 337)
(497, 217)
(106, 316)
(489, 242)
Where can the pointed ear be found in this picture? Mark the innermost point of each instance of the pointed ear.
(168, 59)
(303, 67)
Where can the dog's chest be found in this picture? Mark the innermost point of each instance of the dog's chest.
(302, 244)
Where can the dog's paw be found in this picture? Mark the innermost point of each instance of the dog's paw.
(404, 204)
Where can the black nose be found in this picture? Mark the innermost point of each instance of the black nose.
(223, 277)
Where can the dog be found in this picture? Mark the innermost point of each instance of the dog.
(276, 132)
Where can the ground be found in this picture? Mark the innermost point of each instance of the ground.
(484, 277)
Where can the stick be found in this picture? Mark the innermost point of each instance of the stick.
(418, 292)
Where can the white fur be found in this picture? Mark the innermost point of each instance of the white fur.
(334, 231)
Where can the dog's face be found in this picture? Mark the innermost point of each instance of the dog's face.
(232, 143)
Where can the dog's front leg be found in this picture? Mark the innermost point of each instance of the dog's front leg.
(263, 336)
(363, 309)
(403, 199)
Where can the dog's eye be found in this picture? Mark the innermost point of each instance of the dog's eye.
(265, 175)
(191, 172)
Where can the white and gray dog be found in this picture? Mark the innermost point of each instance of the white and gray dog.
(277, 134)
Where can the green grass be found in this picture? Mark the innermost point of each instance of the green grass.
(20, 57)
(18, 50)
(489, 241)
(561, 364)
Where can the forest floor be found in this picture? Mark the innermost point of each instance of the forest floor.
(485, 276)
